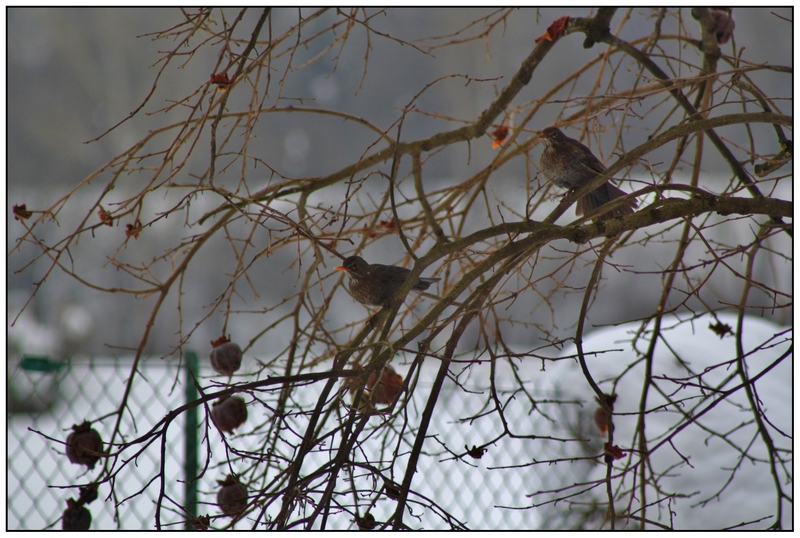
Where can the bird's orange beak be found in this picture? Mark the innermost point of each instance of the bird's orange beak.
(340, 268)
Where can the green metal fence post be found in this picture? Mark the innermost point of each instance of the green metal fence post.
(190, 437)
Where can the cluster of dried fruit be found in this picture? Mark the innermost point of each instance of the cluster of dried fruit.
(83, 447)
(229, 412)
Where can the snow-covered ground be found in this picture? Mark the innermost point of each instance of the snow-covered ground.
(718, 467)
(714, 482)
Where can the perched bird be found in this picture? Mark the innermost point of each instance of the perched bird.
(373, 284)
(569, 164)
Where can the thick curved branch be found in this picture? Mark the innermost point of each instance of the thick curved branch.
(651, 66)
(673, 133)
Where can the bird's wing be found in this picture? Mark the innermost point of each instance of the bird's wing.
(593, 164)
(391, 273)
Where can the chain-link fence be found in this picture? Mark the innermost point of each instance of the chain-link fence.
(46, 398)
(710, 464)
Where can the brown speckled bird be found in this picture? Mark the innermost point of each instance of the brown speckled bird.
(569, 164)
(373, 284)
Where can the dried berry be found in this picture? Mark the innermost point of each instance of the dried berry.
(475, 452)
(133, 230)
(392, 490)
(366, 523)
(105, 217)
(75, 517)
(612, 452)
(554, 31)
(723, 25)
(232, 496)
(600, 416)
(390, 385)
(201, 523)
(229, 413)
(720, 329)
(499, 136)
(222, 81)
(601, 420)
(84, 445)
(87, 494)
(226, 357)
(21, 212)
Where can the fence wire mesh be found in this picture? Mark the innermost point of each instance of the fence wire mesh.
(48, 403)
(47, 398)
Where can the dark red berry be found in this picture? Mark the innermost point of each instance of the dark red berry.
(229, 413)
(201, 523)
(390, 385)
(366, 523)
(232, 496)
(75, 517)
(87, 494)
(84, 445)
(226, 357)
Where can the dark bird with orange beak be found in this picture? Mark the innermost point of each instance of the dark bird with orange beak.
(374, 284)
